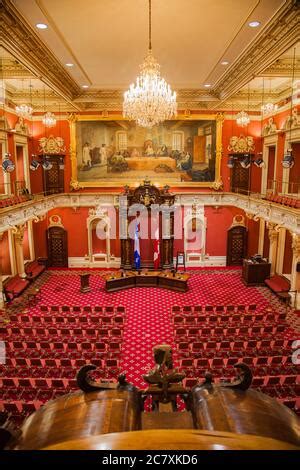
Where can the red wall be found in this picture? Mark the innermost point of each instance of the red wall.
(4, 255)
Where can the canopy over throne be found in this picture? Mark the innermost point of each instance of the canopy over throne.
(147, 194)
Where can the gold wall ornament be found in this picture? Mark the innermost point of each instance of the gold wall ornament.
(217, 185)
(75, 185)
(292, 121)
(52, 145)
(238, 220)
(55, 221)
(269, 128)
(241, 144)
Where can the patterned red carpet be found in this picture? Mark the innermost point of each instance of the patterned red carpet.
(148, 319)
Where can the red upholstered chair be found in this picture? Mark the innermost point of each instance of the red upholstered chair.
(118, 320)
(230, 308)
(176, 309)
(114, 347)
(191, 320)
(208, 308)
(44, 395)
(109, 309)
(198, 308)
(120, 309)
(190, 382)
(181, 332)
(219, 309)
(76, 308)
(44, 308)
(41, 384)
(201, 320)
(66, 308)
(57, 384)
(106, 321)
(193, 332)
(257, 382)
(98, 309)
(95, 320)
(87, 309)
(54, 308)
(100, 347)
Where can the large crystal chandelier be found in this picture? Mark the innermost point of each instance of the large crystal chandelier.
(49, 120)
(24, 110)
(242, 119)
(150, 100)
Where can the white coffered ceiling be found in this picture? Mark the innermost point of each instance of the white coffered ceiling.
(106, 40)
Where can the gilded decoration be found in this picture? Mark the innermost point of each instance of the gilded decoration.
(52, 145)
(241, 144)
(115, 152)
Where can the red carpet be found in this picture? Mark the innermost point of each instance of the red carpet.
(148, 309)
(148, 312)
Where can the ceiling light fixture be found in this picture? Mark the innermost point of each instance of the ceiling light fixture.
(24, 110)
(49, 119)
(269, 108)
(207, 85)
(85, 86)
(224, 62)
(69, 64)
(242, 119)
(150, 100)
(41, 26)
(254, 24)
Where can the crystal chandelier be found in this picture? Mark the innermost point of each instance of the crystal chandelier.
(24, 110)
(268, 108)
(49, 120)
(150, 100)
(242, 119)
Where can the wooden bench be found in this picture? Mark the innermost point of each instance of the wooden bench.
(34, 268)
(14, 286)
(278, 284)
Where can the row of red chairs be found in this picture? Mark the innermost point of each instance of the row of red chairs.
(222, 333)
(227, 319)
(48, 363)
(186, 364)
(213, 308)
(13, 200)
(98, 346)
(51, 333)
(70, 320)
(195, 347)
(285, 200)
(82, 309)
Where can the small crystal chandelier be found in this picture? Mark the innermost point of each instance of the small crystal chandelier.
(268, 108)
(49, 120)
(151, 100)
(24, 110)
(242, 119)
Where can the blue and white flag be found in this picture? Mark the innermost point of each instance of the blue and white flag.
(137, 254)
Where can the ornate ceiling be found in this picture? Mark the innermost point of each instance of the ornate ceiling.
(106, 41)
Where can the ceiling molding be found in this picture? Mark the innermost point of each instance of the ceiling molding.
(10, 68)
(282, 68)
(24, 44)
(282, 31)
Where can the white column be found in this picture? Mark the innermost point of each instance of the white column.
(261, 237)
(18, 236)
(295, 276)
(280, 250)
(273, 237)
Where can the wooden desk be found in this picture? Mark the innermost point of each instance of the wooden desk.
(177, 282)
(164, 280)
(117, 282)
(254, 274)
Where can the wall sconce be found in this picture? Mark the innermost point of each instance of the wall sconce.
(34, 163)
(246, 162)
(230, 162)
(288, 159)
(46, 164)
(8, 165)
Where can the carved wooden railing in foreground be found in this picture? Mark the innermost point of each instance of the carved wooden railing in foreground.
(111, 415)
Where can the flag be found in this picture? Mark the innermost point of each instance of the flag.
(137, 255)
(156, 251)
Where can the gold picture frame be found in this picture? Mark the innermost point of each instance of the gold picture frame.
(76, 183)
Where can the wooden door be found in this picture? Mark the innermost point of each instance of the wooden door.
(236, 245)
(240, 178)
(57, 247)
(54, 178)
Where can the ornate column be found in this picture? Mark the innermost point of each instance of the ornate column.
(295, 276)
(167, 235)
(18, 237)
(261, 237)
(2, 304)
(273, 237)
